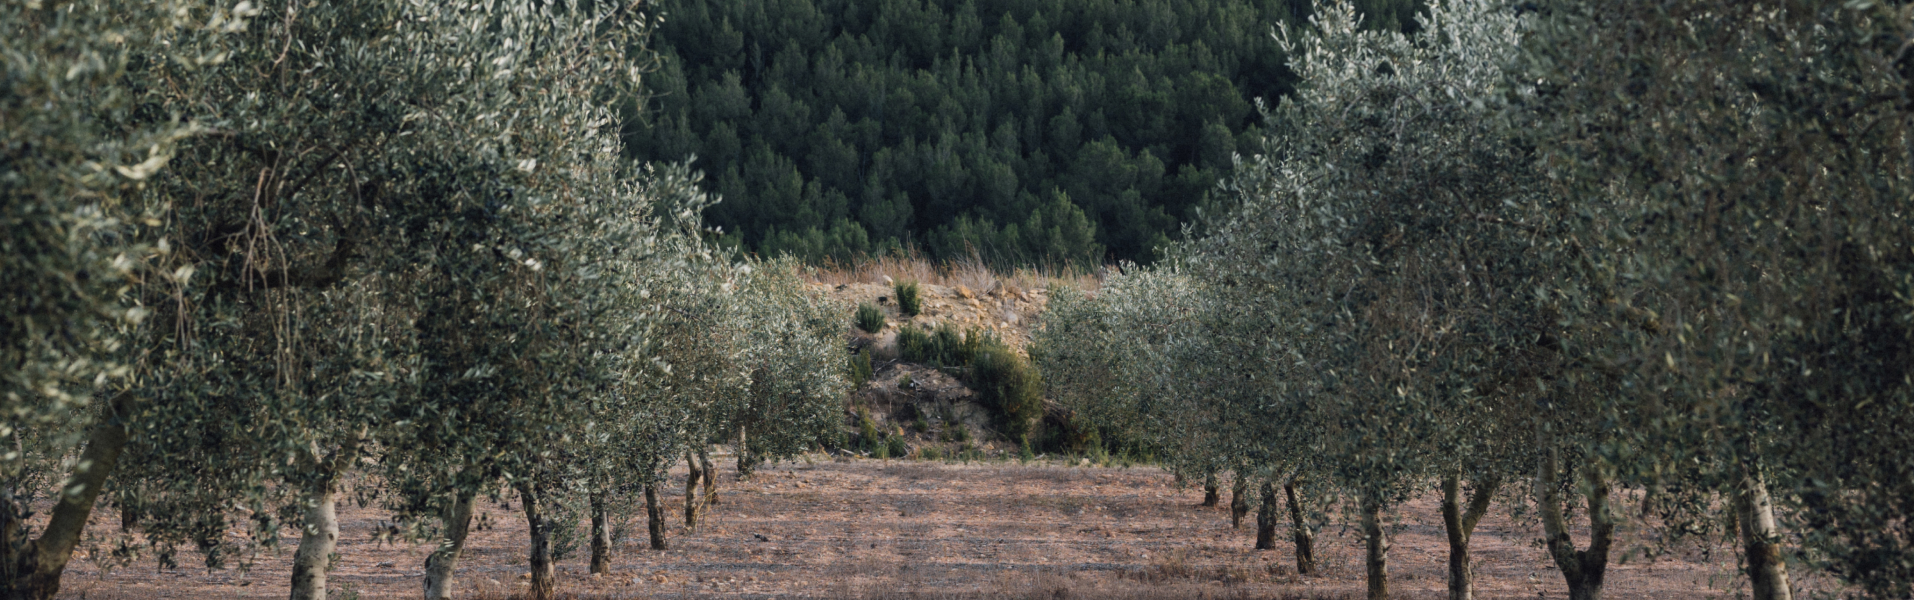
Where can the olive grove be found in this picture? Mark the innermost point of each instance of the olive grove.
(273, 254)
(1501, 254)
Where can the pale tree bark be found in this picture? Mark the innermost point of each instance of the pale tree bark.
(313, 559)
(710, 476)
(655, 517)
(1761, 539)
(1266, 519)
(1459, 521)
(1583, 569)
(600, 535)
(320, 538)
(1300, 531)
(443, 563)
(541, 550)
(31, 569)
(1376, 540)
(1238, 502)
(1211, 496)
(691, 491)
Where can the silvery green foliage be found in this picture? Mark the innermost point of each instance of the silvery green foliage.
(732, 345)
(75, 144)
(671, 392)
(408, 229)
(1371, 257)
(1741, 185)
(1149, 358)
(791, 351)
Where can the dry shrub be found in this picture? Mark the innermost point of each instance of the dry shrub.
(970, 272)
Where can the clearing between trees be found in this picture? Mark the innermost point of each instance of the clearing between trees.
(861, 528)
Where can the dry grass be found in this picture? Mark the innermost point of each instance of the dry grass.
(971, 273)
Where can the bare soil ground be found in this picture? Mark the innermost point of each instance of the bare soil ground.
(859, 528)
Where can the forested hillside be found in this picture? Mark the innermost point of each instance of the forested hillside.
(1060, 131)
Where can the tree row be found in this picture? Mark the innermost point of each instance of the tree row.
(1558, 253)
(256, 252)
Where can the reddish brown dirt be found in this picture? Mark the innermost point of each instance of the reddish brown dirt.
(869, 528)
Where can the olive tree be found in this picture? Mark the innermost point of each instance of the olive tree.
(403, 220)
(76, 146)
(790, 338)
(1168, 358)
(1743, 171)
(1376, 231)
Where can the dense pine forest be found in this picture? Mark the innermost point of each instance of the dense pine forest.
(1055, 132)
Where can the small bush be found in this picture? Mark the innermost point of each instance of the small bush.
(1023, 451)
(957, 432)
(914, 344)
(1010, 385)
(945, 347)
(895, 446)
(866, 430)
(869, 317)
(908, 300)
(922, 424)
(930, 453)
(954, 349)
(860, 368)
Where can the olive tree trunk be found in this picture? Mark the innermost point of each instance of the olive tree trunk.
(695, 473)
(1583, 569)
(1211, 496)
(1761, 540)
(1266, 519)
(321, 528)
(600, 535)
(1460, 523)
(541, 550)
(31, 569)
(745, 462)
(443, 563)
(1300, 531)
(316, 544)
(710, 476)
(655, 516)
(1238, 502)
(1376, 540)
